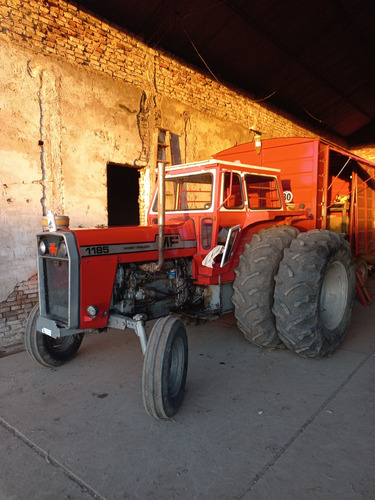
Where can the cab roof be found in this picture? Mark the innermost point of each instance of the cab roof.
(198, 166)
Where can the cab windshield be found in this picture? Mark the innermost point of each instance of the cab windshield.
(188, 192)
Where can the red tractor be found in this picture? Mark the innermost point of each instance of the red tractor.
(220, 237)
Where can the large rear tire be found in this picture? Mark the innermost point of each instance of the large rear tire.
(254, 284)
(46, 350)
(314, 293)
(165, 368)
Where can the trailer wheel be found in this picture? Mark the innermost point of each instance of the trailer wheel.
(165, 368)
(254, 284)
(314, 293)
(46, 350)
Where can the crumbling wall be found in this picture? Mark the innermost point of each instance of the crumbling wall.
(59, 129)
(14, 311)
(20, 193)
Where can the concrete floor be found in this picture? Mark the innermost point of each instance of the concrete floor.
(255, 423)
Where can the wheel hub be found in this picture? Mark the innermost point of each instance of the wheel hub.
(334, 293)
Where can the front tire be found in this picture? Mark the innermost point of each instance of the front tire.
(46, 350)
(165, 368)
(314, 293)
(254, 284)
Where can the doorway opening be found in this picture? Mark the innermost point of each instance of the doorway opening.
(122, 195)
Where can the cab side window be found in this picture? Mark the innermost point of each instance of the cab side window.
(262, 192)
(232, 195)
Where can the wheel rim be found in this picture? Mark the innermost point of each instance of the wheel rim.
(176, 367)
(59, 345)
(334, 293)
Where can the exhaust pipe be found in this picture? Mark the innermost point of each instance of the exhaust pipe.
(161, 217)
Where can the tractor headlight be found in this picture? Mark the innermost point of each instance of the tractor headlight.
(62, 249)
(92, 311)
(42, 247)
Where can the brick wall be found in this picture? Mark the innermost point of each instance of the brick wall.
(368, 153)
(60, 29)
(14, 311)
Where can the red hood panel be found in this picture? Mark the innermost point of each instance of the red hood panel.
(135, 243)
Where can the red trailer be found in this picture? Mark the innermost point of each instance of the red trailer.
(336, 187)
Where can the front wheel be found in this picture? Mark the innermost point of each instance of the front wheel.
(314, 293)
(46, 350)
(165, 368)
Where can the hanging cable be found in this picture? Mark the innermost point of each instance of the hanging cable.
(264, 98)
(312, 116)
(200, 57)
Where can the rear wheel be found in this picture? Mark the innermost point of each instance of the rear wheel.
(165, 368)
(314, 293)
(46, 350)
(254, 284)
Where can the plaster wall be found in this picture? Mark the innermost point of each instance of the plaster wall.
(59, 128)
(20, 175)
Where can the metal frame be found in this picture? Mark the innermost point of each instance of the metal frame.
(138, 324)
(74, 271)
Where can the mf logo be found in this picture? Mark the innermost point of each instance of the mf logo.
(171, 240)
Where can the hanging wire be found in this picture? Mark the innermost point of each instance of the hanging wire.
(265, 98)
(199, 55)
(312, 116)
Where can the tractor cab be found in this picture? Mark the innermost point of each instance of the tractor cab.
(222, 199)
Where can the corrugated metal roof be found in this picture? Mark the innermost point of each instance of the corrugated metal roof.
(315, 59)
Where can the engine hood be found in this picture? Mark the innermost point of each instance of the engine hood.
(138, 243)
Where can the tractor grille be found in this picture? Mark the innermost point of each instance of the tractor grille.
(56, 285)
(58, 268)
